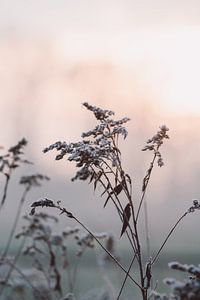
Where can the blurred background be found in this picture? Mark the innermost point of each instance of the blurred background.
(137, 58)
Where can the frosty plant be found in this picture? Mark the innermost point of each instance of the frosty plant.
(9, 162)
(98, 159)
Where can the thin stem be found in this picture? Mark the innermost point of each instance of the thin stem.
(147, 182)
(125, 188)
(15, 221)
(136, 236)
(135, 243)
(5, 190)
(137, 239)
(110, 254)
(12, 265)
(119, 209)
(53, 266)
(8, 176)
(147, 229)
(63, 210)
(168, 236)
(123, 284)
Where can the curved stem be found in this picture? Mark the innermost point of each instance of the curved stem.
(70, 215)
(168, 236)
(110, 254)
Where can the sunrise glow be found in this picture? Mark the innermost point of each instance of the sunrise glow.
(182, 90)
(166, 61)
(172, 57)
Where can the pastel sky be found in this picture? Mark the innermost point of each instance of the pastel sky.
(163, 37)
(102, 16)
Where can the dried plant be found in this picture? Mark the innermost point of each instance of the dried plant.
(49, 251)
(98, 159)
(188, 289)
(28, 181)
(9, 162)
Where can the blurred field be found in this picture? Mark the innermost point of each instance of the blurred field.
(95, 276)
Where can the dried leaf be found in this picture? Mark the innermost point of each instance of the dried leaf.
(92, 177)
(106, 189)
(46, 202)
(14, 166)
(116, 191)
(128, 178)
(116, 149)
(32, 211)
(98, 176)
(148, 274)
(144, 183)
(68, 213)
(126, 218)
(109, 195)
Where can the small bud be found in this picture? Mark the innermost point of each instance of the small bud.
(195, 202)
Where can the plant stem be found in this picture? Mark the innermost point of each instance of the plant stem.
(15, 221)
(63, 210)
(118, 207)
(5, 190)
(147, 182)
(123, 284)
(168, 236)
(147, 228)
(136, 235)
(110, 254)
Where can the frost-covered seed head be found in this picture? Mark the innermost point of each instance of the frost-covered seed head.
(155, 143)
(99, 113)
(33, 180)
(195, 206)
(98, 147)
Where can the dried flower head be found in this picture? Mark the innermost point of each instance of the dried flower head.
(33, 180)
(155, 143)
(68, 231)
(9, 162)
(187, 289)
(12, 159)
(100, 114)
(98, 146)
(86, 240)
(195, 206)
